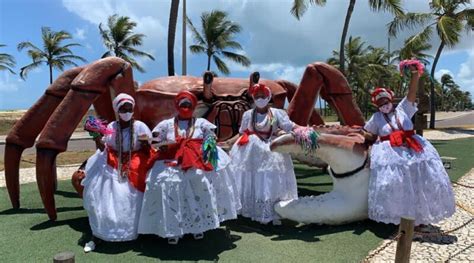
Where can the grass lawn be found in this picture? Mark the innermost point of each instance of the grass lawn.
(27, 235)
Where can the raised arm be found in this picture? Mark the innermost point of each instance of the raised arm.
(415, 77)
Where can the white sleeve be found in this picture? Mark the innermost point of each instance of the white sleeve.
(206, 127)
(142, 129)
(162, 130)
(409, 108)
(109, 139)
(244, 124)
(371, 125)
(284, 121)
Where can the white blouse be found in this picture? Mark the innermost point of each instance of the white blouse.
(165, 129)
(139, 128)
(263, 124)
(379, 126)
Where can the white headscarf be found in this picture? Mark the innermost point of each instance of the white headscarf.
(121, 99)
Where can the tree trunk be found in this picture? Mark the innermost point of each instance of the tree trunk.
(344, 34)
(171, 35)
(208, 62)
(184, 63)
(50, 74)
(432, 86)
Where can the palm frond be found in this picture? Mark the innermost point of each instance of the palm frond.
(241, 59)
(300, 7)
(392, 6)
(197, 49)
(138, 53)
(196, 35)
(26, 69)
(221, 66)
(449, 30)
(409, 20)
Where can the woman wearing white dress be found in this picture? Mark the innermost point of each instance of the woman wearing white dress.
(263, 177)
(115, 177)
(407, 174)
(188, 190)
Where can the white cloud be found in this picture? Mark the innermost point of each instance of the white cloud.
(271, 36)
(441, 72)
(465, 77)
(9, 83)
(80, 34)
(151, 18)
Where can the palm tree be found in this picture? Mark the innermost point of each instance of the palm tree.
(171, 35)
(7, 61)
(448, 17)
(216, 37)
(446, 82)
(53, 53)
(413, 49)
(393, 6)
(120, 40)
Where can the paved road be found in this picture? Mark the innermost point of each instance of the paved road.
(76, 145)
(466, 119)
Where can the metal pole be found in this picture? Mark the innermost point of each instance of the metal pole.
(184, 39)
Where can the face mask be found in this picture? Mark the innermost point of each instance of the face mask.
(185, 113)
(387, 108)
(262, 103)
(126, 116)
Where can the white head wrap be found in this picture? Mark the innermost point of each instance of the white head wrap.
(121, 99)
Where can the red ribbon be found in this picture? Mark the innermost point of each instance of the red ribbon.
(136, 168)
(398, 138)
(186, 153)
(244, 139)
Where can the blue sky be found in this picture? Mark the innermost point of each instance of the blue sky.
(279, 45)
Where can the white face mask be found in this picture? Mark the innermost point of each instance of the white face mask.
(126, 116)
(387, 108)
(262, 103)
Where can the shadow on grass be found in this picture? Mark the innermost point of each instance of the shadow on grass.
(67, 194)
(214, 243)
(291, 230)
(13, 211)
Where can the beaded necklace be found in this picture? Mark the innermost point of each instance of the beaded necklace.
(189, 130)
(119, 142)
(254, 124)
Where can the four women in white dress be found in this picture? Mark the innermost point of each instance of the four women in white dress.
(193, 185)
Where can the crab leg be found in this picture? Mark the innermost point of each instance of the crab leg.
(86, 88)
(325, 80)
(25, 131)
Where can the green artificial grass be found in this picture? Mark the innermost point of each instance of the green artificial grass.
(27, 236)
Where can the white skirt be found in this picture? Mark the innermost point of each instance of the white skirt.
(177, 202)
(263, 178)
(113, 204)
(406, 183)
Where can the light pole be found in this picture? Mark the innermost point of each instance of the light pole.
(184, 39)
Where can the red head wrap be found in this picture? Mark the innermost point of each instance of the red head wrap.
(185, 113)
(380, 95)
(260, 87)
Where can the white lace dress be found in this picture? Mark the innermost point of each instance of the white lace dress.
(404, 182)
(112, 204)
(178, 202)
(263, 177)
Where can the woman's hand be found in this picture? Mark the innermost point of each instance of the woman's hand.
(99, 144)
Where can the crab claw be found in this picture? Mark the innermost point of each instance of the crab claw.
(25, 130)
(254, 78)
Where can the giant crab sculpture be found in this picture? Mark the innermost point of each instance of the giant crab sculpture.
(58, 112)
